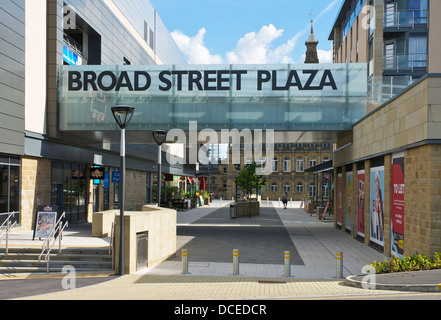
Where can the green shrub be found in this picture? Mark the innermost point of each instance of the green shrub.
(415, 262)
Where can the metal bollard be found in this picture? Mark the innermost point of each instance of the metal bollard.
(236, 254)
(339, 265)
(184, 261)
(287, 264)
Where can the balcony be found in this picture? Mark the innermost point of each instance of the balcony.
(384, 88)
(405, 62)
(406, 19)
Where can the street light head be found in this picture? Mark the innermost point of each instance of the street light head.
(237, 166)
(123, 115)
(159, 136)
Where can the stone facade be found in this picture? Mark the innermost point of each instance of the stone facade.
(410, 123)
(287, 176)
(35, 188)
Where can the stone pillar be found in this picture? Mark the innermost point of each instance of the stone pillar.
(387, 207)
(367, 201)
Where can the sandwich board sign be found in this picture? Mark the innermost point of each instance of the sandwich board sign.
(45, 221)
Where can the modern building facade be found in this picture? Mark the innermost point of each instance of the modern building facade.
(393, 37)
(386, 168)
(41, 165)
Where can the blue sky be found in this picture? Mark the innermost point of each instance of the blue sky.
(248, 31)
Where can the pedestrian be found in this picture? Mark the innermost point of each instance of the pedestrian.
(285, 200)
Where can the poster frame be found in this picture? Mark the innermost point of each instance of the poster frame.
(51, 211)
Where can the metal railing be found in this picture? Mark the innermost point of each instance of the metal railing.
(405, 62)
(382, 89)
(405, 18)
(5, 228)
(49, 243)
(111, 244)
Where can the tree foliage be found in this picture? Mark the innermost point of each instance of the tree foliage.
(248, 180)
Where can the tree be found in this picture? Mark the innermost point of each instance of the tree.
(247, 180)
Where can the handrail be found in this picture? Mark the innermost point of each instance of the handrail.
(112, 237)
(5, 228)
(47, 245)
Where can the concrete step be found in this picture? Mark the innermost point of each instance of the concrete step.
(54, 257)
(52, 269)
(57, 263)
(26, 260)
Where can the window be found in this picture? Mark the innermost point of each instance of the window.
(312, 162)
(69, 189)
(152, 39)
(417, 52)
(419, 11)
(325, 191)
(389, 55)
(312, 190)
(287, 187)
(286, 165)
(9, 188)
(274, 187)
(299, 187)
(274, 165)
(146, 29)
(299, 165)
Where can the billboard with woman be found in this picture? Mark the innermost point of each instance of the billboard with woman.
(376, 205)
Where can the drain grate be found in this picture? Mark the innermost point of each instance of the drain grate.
(271, 282)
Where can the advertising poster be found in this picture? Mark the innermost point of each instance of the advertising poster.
(45, 221)
(360, 203)
(397, 208)
(340, 199)
(376, 205)
(349, 192)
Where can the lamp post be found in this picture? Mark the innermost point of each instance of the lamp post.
(159, 136)
(237, 166)
(123, 115)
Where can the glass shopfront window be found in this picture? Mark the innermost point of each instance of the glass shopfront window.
(9, 187)
(69, 189)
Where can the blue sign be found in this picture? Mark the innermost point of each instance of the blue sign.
(115, 176)
(106, 180)
(71, 57)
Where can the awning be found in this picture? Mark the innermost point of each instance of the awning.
(325, 167)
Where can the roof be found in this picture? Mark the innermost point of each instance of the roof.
(327, 166)
(345, 6)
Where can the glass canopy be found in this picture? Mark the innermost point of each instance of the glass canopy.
(298, 97)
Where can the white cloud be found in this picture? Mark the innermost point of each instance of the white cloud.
(194, 48)
(325, 56)
(253, 48)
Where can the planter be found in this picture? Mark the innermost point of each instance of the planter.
(247, 209)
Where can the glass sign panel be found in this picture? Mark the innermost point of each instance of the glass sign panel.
(280, 97)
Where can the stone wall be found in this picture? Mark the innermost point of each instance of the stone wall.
(35, 189)
(423, 200)
(410, 123)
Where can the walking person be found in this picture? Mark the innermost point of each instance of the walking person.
(285, 200)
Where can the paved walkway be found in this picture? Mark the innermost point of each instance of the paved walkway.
(262, 241)
(210, 236)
